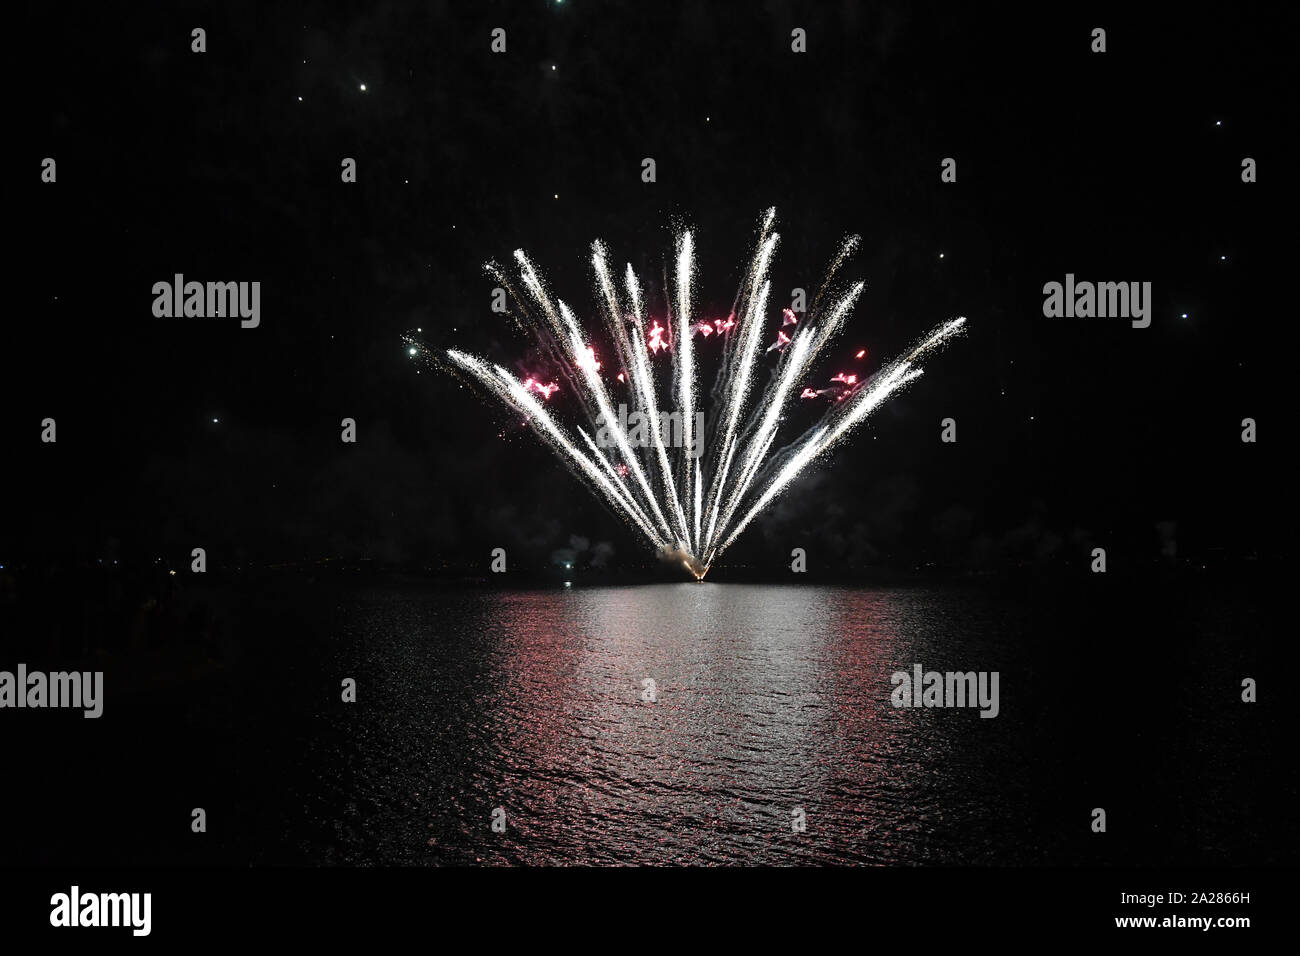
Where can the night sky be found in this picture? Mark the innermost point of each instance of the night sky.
(225, 166)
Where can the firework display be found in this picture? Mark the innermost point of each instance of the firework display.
(690, 482)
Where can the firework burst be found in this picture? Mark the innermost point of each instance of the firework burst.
(689, 484)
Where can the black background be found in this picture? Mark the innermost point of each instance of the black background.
(1071, 433)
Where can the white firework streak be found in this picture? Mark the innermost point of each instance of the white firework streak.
(613, 308)
(645, 387)
(795, 465)
(744, 473)
(631, 354)
(822, 439)
(763, 438)
(803, 351)
(507, 387)
(597, 388)
(864, 403)
(750, 335)
(626, 497)
(534, 285)
(686, 364)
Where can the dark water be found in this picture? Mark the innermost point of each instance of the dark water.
(772, 698)
(769, 699)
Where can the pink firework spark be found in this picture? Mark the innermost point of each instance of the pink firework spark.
(545, 390)
(782, 340)
(656, 338)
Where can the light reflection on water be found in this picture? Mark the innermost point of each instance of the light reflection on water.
(769, 698)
